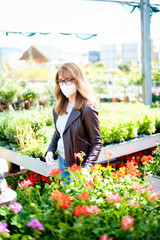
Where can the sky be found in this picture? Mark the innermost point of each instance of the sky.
(110, 21)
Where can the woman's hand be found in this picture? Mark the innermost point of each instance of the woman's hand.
(49, 158)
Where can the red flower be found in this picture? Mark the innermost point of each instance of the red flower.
(89, 183)
(55, 171)
(118, 165)
(34, 177)
(129, 157)
(9, 186)
(45, 179)
(145, 159)
(74, 168)
(127, 222)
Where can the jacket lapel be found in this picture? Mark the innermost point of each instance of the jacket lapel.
(55, 116)
(73, 115)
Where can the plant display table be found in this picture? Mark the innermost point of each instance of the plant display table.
(120, 149)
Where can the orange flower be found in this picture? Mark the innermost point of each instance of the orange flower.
(62, 199)
(80, 156)
(118, 174)
(55, 171)
(75, 168)
(108, 153)
(93, 168)
(84, 195)
(131, 167)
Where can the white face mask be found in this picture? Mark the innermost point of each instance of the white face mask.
(68, 90)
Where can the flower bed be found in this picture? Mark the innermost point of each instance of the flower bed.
(105, 204)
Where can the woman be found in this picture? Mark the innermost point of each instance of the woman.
(76, 121)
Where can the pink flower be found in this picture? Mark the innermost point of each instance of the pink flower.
(3, 227)
(158, 195)
(127, 222)
(114, 198)
(151, 197)
(105, 237)
(133, 204)
(93, 209)
(35, 223)
(16, 207)
(150, 188)
(25, 184)
(138, 187)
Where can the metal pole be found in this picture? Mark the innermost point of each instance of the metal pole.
(146, 52)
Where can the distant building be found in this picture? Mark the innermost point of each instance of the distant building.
(41, 54)
(94, 56)
(129, 52)
(109, 55)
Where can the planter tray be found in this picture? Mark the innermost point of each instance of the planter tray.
(33, 164)
(128, 147)
(120, 149)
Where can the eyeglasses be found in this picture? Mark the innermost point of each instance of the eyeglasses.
(67, 81)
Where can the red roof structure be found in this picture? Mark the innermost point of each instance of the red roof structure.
(34, 54)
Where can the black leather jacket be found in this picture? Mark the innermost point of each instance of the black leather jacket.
(82, 133)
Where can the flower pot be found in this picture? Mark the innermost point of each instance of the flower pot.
(126, 99)
(2, 107)
(13, 146)
(27, 104)
(3, 143)
(114, 99)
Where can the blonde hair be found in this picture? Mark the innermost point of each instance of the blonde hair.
(83, 96)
